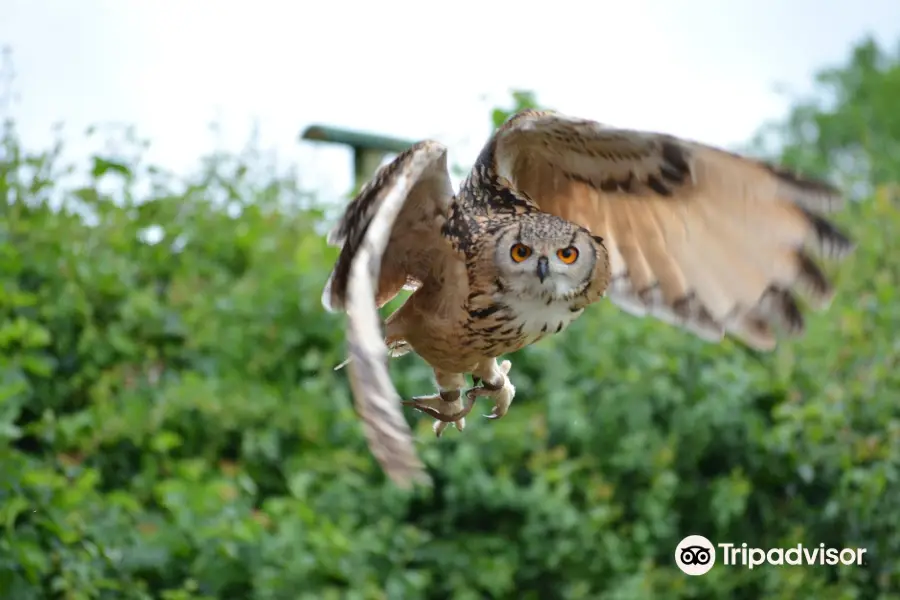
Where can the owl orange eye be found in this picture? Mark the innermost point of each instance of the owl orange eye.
(568, 255)
(519, 252)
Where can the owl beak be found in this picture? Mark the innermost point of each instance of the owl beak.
(543, 268)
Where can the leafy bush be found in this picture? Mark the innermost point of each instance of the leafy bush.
(172, 426)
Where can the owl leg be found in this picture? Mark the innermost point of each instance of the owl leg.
(447, 405)
(495, 383)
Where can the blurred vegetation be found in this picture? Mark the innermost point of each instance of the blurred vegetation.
(172, 428)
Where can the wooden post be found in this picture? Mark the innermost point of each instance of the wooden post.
(368, 149)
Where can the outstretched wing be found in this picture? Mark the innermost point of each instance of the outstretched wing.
(697, 236)
(391, 238)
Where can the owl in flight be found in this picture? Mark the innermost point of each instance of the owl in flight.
(557, 213)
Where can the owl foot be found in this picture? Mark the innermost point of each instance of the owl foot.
(446, 408)
(501, 393)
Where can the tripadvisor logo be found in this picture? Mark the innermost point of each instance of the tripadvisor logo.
(696, 555)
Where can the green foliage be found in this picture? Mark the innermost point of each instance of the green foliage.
(172, 427)
(521, 100)
(850, 127)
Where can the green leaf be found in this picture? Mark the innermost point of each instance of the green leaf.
(102, 166)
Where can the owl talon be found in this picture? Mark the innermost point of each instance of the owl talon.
(448, 407)
(495, 414)
(445, 407)
(502, 394)
(439, 426)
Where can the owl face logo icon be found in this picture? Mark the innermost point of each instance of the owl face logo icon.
(695, 555)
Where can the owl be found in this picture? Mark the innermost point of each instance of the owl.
(557, 213)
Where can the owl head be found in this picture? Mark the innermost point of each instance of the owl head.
(543, 256)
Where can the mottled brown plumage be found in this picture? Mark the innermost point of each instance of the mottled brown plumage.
(556, 213)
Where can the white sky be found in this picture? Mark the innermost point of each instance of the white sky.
(705, 69)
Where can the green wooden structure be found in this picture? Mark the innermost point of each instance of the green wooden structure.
(368, 149)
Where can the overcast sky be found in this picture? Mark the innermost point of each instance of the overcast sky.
(706, 69)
